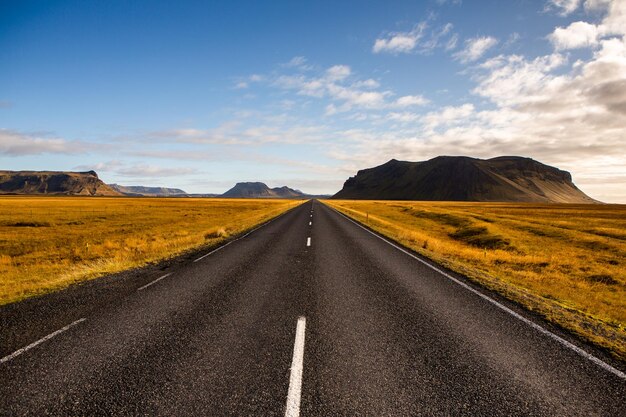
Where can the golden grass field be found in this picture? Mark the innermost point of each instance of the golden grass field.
(566, 262)
(47, 243)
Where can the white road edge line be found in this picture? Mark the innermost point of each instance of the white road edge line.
(215, 250)
(43, 339)
(154, 282)
(295, 380)
(308, 241)
(239, 238)
(532, 324)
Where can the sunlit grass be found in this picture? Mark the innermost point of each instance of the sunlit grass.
(47, 243)
(566, 262)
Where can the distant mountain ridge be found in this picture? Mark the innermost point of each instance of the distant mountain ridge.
(460, 178)
(54, 182)
(140, 190)
(261, 190)
(88, 184)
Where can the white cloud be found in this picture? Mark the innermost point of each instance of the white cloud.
(153, 171)
(564, 7)
(338, 72)
(280, 130)
(418, 40)
(587, 35)
(446, 116)
(369, 83)
(614, 23)
(108, 166)
(244, 83)
(512, 39)
(397, 42)
(576, 35)
(330, 110)
(404, 117)
(335, 84)
(406, 101)
(14, 143)
(298, 62)
(512, 79)
(452, 42)
(354, 97)
(475, 48)
(596, 5)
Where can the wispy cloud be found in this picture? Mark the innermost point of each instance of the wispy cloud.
(243, 83)
(298, 62)
(475, 48)
(337, 84)
(419, 40)
(153, 171)
(398, 42)
(15, 143)
(563, 7)
(237, 132)
(107, 166)
(136, 170)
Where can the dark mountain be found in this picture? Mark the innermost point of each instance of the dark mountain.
(460, 178)
(139, 190)
(54, 182)
(260, 190)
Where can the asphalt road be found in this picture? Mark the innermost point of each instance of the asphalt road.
(327, 312)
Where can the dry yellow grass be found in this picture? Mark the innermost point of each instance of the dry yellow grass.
(566, 262)
(47, 243)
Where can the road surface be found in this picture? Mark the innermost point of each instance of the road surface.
(310, 314)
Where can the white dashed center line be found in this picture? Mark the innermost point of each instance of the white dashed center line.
(295, 380)
(43, 339)
(308, 241)
(154, 282)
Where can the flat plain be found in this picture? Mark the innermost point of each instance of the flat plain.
(565, 262)
(48, 243)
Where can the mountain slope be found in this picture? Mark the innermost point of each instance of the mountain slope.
(54, 182)
(260, 190)
(459, 178)
(139, 190)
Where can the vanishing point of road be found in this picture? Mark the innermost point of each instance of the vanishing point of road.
(310, 314)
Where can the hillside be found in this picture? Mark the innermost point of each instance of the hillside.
(260, 190)
(140, 190)
(54, 182)
(459, 178)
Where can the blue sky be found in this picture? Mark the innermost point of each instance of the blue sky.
(199, 95)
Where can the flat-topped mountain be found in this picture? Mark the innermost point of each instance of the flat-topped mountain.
(140, 190)
(54, 182)
(260, 190)
(460, 178)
